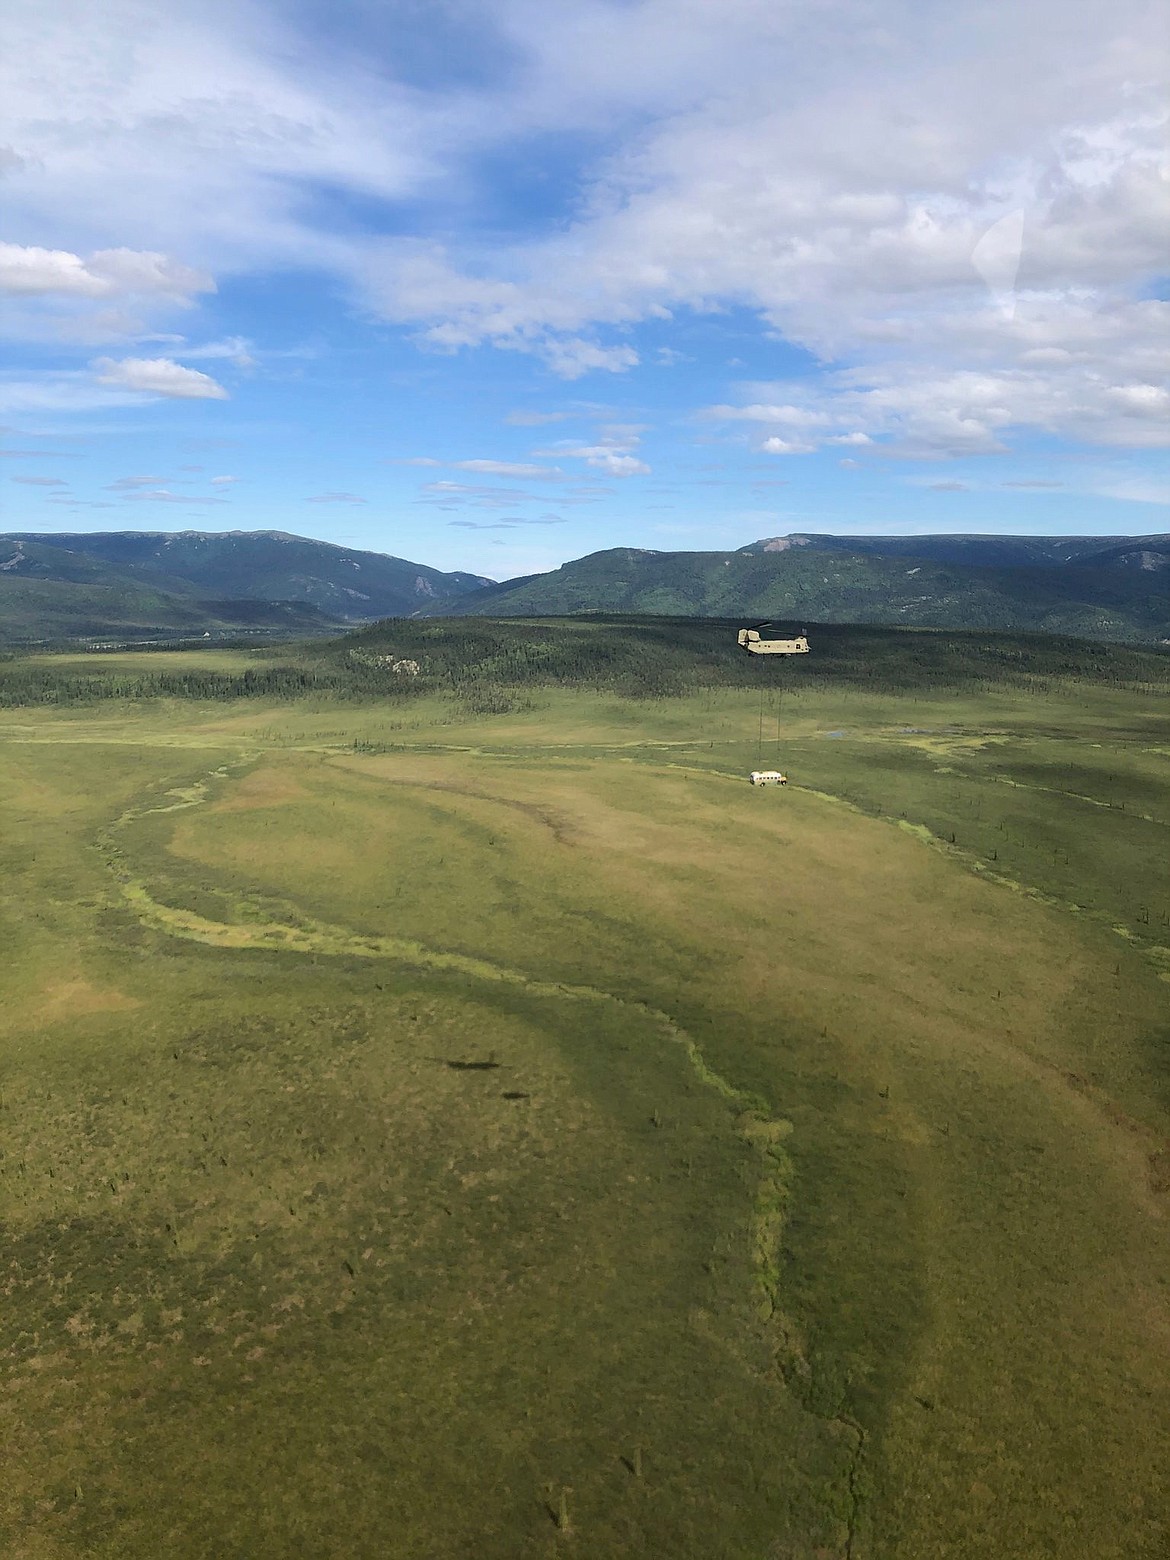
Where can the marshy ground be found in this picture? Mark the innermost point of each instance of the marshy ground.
(430, 1132)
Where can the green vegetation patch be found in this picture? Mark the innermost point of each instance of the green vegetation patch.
(429, 1132)
(495, 667)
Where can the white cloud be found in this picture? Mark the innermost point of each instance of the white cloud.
(164, 496)
(52, 482)
(61, 391)
(32, 270)
(108, 273)
(786, 416)
(143, 272)
(56, 295)
(977, 379)
(611, 462)
(570, 357)
(235, 349)
(335, 498)
(1102, 390)
(509, 524)
(159, 376)
(1133, 490)
(612, 453)
(917, 201)
(505, 468)
(413, 282)
(855, 176)
(1141, 400)
(219, 112)
(484, 467)
(223, 481)
(150, 490)
(459, 495)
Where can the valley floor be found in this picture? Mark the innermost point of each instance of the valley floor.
(436, 1136)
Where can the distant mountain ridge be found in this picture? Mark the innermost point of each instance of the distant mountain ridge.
(49, 594)
(146, 583)
(141, 583)
(1115, 588)
(347, 583)
(980, 551)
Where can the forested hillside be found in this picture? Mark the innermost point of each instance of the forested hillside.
(48, 595)
(988, 551)
(490, 665)
(843, 583)
(341, 582)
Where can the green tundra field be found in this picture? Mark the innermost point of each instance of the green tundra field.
(456, 1115)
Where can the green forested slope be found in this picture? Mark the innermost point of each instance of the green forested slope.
(49, 594)
(343, 582)
(491, 666)
(1110, 589)
(984, 551)
(840, 587)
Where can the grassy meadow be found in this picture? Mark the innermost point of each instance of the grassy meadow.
(460, 1117)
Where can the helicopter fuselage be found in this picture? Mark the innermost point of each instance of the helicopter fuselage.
(749, 640)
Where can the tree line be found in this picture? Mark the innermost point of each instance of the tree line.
(487, 663)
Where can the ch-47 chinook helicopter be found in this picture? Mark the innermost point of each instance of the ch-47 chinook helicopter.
(749, 640)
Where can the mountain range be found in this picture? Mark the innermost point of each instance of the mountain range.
(1114, 588)
(156, 584)
(146, 584)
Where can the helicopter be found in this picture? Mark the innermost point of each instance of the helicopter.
(749, 640)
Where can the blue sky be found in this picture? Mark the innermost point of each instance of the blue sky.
(493, 285)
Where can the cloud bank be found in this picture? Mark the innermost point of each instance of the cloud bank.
(961, 213)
